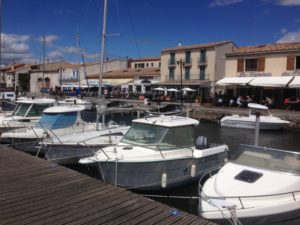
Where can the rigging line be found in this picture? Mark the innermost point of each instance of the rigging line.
(133, 31)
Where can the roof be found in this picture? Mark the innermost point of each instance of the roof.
(64, 109)
(157, 58)
(266, 48)
(168, 121)
(128, 73)
(197, 46)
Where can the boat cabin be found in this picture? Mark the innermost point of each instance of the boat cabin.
(58, 117)
(32, 107)
(165, 133)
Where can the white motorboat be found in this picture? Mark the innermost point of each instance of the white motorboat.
(267, 121)
(56, 121)
(26, 113)
(69, 148)
(76, 101)
(257, 186)
(157, 152)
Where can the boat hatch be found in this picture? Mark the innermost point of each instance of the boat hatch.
(248, 176)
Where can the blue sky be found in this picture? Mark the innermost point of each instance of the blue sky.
(145, 26)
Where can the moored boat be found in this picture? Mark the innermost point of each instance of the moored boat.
(267, 121)
(26, 113)
(56, 121)
(158, 152)
(257, 186)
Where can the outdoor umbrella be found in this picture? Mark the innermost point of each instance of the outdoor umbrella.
(172, 90)
(188, 89)
(158, 89)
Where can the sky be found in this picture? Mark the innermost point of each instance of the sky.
(138, 28)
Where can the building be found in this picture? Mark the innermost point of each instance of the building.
(140, 63)
(264, 70)
(196, 66)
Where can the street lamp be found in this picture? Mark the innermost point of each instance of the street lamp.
(181, 63)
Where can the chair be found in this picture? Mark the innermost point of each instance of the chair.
(201, 142)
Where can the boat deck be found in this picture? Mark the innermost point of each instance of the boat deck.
(35, 191)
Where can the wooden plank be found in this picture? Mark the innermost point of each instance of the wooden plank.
(40, 211)
(34, 191)
(135, 214)
(95, 210)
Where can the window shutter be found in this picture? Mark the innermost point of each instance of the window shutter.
(240, 65)
(290, 63)
(261, 64)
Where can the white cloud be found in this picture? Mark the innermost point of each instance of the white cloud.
(288, 2)
(290, 37)
(55, 54)
(224, 2)
(49, 39)
(15, 48)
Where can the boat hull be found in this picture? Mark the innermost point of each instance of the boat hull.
(248, 124)
(148, 175)
(22, 144)
(287, 218)
(68, 154)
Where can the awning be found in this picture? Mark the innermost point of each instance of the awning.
(116, 81)
(281, 81)
(295, 83)
(242, 81)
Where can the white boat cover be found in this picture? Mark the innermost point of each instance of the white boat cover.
(281, 81)
(295, 82)
(242, 81)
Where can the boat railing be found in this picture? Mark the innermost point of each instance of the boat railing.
(155, 147)
(241, 199)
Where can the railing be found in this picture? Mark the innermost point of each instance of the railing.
(172, 62)
(241, 199)
(187, 62)
(202, 60)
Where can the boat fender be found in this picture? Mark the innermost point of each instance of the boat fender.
(164, 178)
(193, 170)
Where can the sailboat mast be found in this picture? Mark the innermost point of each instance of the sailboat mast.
(103, 36)
(44, 49)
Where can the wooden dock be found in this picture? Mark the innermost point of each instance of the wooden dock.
(35, 191)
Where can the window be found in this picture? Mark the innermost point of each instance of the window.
(151, 64)
(251, 65)
(297, 62)
(171, 73)
(187, 57)
(187, 73)
(203, 56)
(172, 58)
(202, 72)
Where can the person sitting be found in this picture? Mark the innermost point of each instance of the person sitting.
(239, 101)
(267, 102)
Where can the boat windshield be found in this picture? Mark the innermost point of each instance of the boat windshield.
(166, 138)
(262, 112)
(57, 120)
(267, 158)
(35, 109)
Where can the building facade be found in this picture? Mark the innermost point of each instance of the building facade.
(195, 66)
(272, 67)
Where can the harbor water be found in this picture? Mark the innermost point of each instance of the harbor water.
(282, 139)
